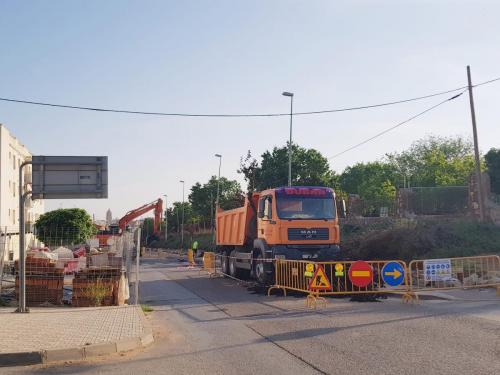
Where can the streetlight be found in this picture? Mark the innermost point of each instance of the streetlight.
(218, 183)
(166, 218)
(182, 222)
(218, 179)
(290, 95)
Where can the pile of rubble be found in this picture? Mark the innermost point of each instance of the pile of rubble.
(97, 287)
(92, 278)
(44, 281)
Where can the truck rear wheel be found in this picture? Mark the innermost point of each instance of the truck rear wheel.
(260, 271)
(234, 270)
(224, 264)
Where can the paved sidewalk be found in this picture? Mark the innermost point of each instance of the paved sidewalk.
(53, 334)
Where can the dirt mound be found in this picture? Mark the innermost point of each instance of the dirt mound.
(427, 239)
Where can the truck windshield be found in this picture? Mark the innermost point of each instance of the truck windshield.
(305, 203)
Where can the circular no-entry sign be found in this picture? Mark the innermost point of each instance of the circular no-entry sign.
(360, 274)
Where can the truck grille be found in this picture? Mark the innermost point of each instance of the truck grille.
(297, 234)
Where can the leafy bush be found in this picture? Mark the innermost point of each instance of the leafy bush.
(65, 226)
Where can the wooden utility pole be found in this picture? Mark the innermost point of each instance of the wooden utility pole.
(479, 182)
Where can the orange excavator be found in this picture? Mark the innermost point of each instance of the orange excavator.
(157, 206)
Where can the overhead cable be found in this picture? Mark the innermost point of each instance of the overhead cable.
(174, 114)
(396, 126)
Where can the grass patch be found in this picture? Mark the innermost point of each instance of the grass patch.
(3, 303)
(146, 308)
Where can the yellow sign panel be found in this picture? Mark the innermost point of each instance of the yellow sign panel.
(309, 270)
(319, 280)
(339, 269)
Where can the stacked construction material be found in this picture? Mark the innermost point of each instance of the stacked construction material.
(44, 282)
(96, 287)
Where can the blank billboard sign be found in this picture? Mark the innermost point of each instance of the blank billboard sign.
(69, 177)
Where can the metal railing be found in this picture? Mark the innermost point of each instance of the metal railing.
(342, 278)
(455, 273)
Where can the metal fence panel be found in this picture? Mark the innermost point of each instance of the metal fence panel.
(455, 273)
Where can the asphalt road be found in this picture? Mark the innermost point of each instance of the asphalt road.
(216, 326)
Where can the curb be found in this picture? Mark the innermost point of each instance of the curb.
(79, 353)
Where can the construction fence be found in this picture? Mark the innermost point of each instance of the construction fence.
(414, 201)
(377, 277)
(69, 270)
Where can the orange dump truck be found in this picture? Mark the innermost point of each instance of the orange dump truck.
(298, 223)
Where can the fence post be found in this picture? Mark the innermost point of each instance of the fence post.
(137, 263)
(3, 243)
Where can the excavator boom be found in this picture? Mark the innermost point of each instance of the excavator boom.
(157, 206)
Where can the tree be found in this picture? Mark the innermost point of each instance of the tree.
(174, 216)
(435, 161)
(373, 182)
(361, 177)
(492, 159)
(203, 197)
(65, 226)
(309, 168)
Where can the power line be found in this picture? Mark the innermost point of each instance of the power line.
(111, 110)
(486, 82)
(396, 126)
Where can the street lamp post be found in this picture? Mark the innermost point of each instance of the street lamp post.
(182, 221)
(218, 181)
(166, 219)
(218, 187)
(290, 95)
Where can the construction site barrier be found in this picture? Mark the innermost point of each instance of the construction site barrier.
(190, 257)
(455, 273)
(376, 277)
(209, 263)
(342, 278)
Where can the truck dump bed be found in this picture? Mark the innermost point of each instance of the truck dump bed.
(235, 226)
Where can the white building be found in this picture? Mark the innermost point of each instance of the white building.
(12, 154)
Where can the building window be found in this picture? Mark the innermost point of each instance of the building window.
(13, 216)
(14, 189)
(14, 162)
(9, 212)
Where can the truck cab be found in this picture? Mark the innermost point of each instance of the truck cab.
(298, 223)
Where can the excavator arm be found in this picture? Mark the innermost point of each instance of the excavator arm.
(157, 206)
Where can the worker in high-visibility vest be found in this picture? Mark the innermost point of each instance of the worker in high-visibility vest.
(195, 248)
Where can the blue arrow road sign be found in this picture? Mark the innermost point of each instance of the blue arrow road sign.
(393, 274)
